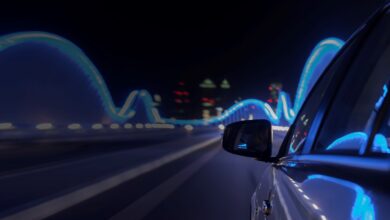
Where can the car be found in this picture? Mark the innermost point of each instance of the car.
(334, 162)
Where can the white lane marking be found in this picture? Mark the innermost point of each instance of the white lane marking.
(144, 205)
(55, 165)
(51, 207)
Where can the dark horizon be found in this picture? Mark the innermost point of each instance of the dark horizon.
(152, 47)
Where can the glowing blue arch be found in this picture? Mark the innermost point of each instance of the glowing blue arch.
(318, 60)
(90, 71)
(320, 57)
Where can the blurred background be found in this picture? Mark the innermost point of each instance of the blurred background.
(91, 91)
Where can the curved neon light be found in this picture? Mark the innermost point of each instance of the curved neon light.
(380, 144)
(318, 60)
(358, 141)
(351, 141)
(90, 71)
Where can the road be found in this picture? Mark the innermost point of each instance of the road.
(172, 174)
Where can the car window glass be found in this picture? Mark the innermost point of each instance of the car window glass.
(299, 131)
(381, 140)
(350, 118)
(305, 117)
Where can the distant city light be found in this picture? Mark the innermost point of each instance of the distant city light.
(225, 84)
(207, 84)
(114, 126)
(157, 98)
(6, 126)
(165, 126)
(128, 126)
(189, 127)
(74, 126)
(44, 126)
(97, 126)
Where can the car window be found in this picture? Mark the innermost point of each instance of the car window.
(349, 121)
(306, 116)
(381, 140)
(299, 131)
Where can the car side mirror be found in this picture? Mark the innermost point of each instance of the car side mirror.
(249, 138)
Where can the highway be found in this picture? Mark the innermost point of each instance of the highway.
(167, 174)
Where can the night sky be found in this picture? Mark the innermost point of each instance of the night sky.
(151, 46)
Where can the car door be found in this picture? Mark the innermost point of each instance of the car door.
(334, 152)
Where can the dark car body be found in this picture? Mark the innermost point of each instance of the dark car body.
(334, 162)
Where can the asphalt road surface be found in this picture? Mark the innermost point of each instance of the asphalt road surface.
(151, 175)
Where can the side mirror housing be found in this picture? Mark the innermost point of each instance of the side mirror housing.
(249, 138)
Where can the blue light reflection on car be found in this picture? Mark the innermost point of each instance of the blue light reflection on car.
(242, 146)
(363, 207)
(298, 146)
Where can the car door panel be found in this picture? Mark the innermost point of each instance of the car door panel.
(336, 175)
(297, 194)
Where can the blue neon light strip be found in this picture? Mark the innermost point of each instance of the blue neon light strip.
(90, 71)
(379, 103)
(318, 60)
(357, 141)
(242, 146)
(351, 141)
(380, 144)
